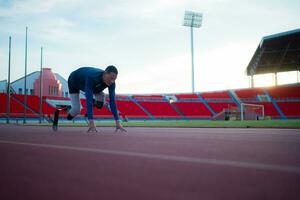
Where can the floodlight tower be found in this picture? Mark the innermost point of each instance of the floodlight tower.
(41, 87)
(8, 83)
(192, 19)
(25, 78)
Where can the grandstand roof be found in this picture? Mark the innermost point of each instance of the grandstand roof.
(3, 86)
(276, 53)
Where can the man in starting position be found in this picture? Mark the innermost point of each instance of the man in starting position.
(93, 81)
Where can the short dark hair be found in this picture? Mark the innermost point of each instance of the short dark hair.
(111, 68)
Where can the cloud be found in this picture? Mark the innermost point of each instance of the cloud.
(224, 66)
(25, 7)
(57, 29)
(165, 76)
(142, 9)
(145, 38)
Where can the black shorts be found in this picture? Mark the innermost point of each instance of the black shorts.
(73, 87)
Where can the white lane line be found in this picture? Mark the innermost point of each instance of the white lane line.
(250, 165)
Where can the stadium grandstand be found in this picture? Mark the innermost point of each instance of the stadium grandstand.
(281, 102)
(275, 53)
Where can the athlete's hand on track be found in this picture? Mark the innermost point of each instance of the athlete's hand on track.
(120, 127)
(92, 130)
(92, 127)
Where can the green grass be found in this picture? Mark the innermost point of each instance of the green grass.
(201, 123)
(196, 123)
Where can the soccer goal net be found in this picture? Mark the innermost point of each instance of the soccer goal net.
(252, 111)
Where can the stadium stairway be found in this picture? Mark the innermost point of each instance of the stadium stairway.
(282, 116)
(206, 104)
(235, 98)
(31, 109)
(175, 108)
(23, 105)
(141, 107)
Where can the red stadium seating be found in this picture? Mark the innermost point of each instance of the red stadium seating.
(290, 109)
(220, 106)
(148, 97)
(2, 103)
(131, 110)
(193, 109)
(16, 108)
(269, 108)
(249, 94)
(98, 113)
(126, 108)
(216, 95)
(186, 96)
(160, 109)
(188, 105)
(285, 92)
(33, 102)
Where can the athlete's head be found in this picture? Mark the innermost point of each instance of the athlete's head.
(110, 75)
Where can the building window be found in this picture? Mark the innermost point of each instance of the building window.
(66, 93)
(49, 88)
(20, 90)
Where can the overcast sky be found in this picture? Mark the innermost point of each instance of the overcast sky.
(145, 39)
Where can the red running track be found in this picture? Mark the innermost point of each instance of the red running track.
(149, 163)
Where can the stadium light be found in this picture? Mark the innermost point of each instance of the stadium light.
(25, 79)
(192, 20)
(8, 84)
(41, 88)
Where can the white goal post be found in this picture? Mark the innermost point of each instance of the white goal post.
(255, 110)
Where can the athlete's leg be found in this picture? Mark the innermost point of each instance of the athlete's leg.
(74, 95)
(75, 109)
(99, 100)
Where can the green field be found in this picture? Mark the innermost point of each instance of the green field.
(189, 123)
(201, 123)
